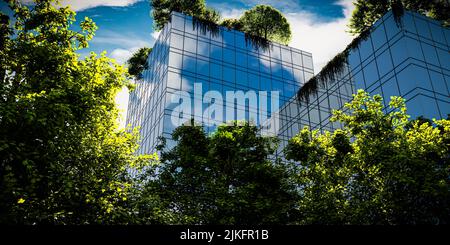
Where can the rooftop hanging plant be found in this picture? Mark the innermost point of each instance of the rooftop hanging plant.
(261, 24)
(207, 22)
(330, 72)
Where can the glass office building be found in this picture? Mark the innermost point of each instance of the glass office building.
(409, 59)
(189, 59)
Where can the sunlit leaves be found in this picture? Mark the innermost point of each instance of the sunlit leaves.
(379, 169)
(63, 158)
(224, 178)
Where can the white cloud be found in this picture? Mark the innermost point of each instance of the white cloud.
(283, 4)
(155, 34)
(78, 5)
(121, 55)
(122, 104)
(129, 44)
(86, 4)
(323, 39)
(124, 40)
(231, 13)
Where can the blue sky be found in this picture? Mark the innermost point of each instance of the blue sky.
(318, 26)
(124, 29)
(126, 25)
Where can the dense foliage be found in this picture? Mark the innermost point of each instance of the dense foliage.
(261, 21)
(63, 159)
(232, 24)
(267, 22)
(138, 62)
(379, 169)
(225, 178)
(162, 9)
(368, 11)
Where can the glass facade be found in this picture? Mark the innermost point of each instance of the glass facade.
(185, 56)
(411, 60)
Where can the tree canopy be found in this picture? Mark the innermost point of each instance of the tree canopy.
(267, 22)
(368, 11)
(379, 169)
(161, 10)
(261, 21)
(225, 178)
(63, 159)
(232, 24)
(138, 62)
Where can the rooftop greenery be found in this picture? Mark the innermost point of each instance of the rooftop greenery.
(261, 24)
(64, 161)
(138, 62)
(334, 68)
(366, 13)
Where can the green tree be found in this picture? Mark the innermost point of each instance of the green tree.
(267, 22)
(377, 170)
(225, 178)
(63, 158)
(138, 62)
(161, 10)
(232, 24)
(5, 31)
(211, 15)
(261, 21)
(368, 11)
